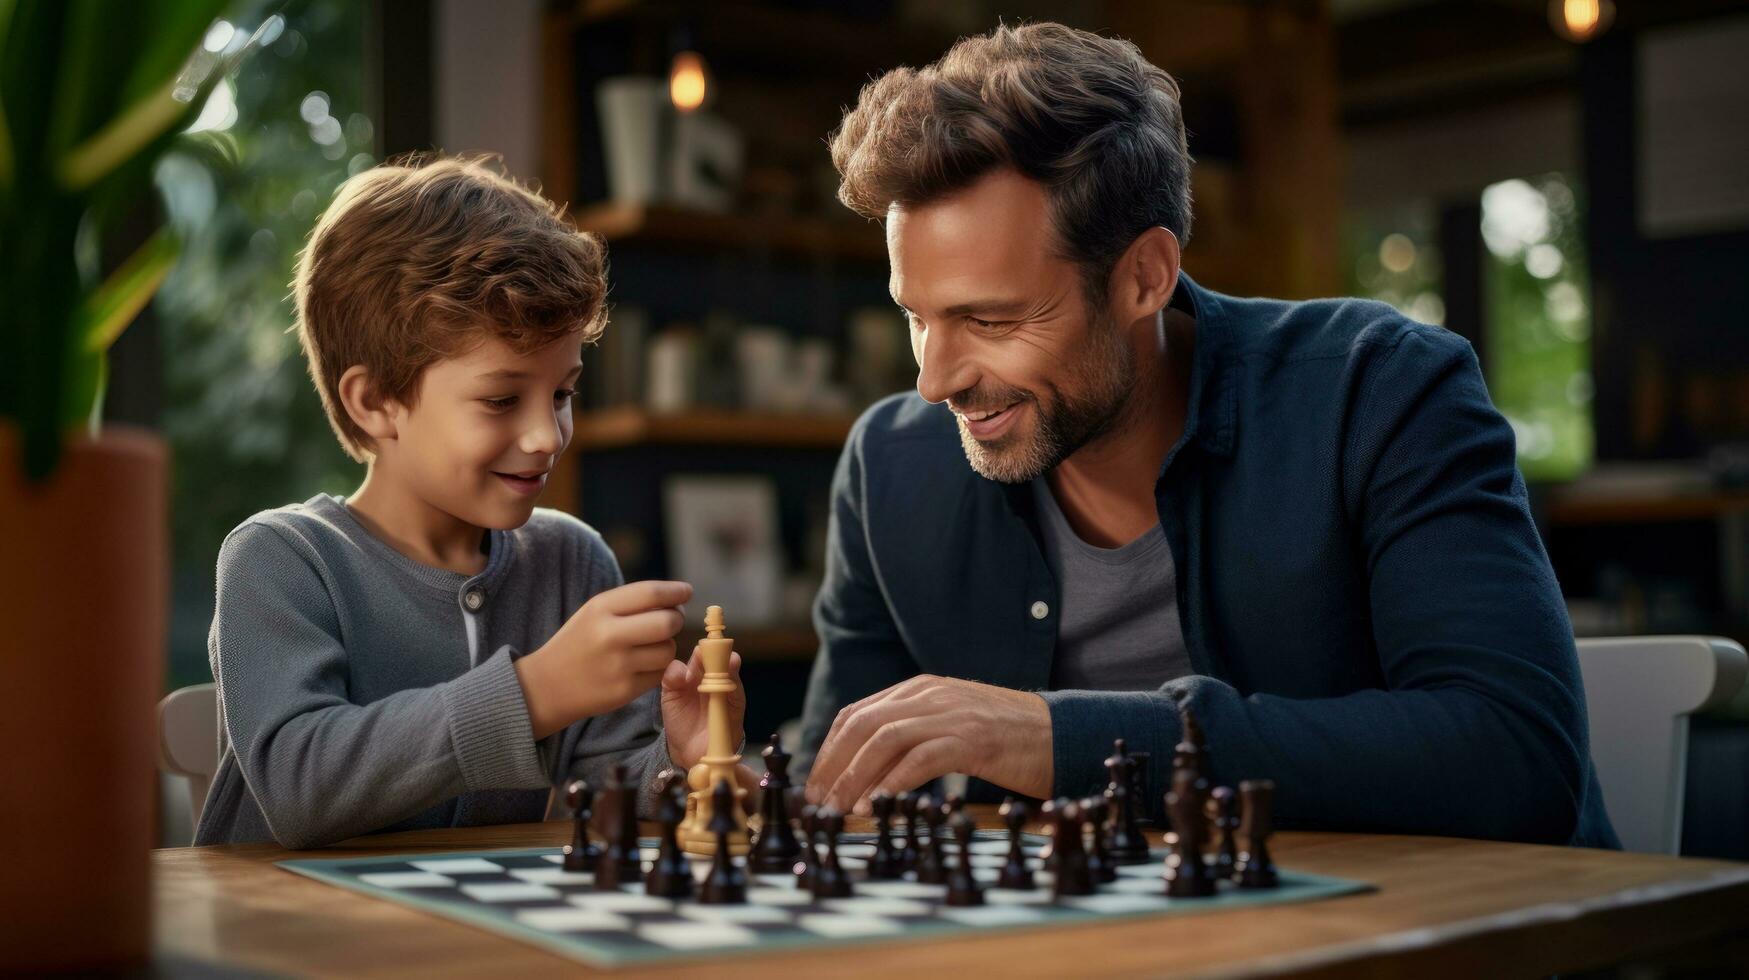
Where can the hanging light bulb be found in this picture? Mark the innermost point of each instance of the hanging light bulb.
(687, 86)
(1581, 20)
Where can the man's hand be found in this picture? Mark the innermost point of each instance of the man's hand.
(610, 651)
(684, 712)
(930, 726)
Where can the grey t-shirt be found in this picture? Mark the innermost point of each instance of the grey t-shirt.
(1117, 629)
(361, 691)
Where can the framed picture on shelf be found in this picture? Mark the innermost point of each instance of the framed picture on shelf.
(722, 537)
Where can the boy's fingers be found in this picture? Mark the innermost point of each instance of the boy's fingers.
(647, 680)
(639, 596)
(651, 656)
(654, 626)
(674, 676)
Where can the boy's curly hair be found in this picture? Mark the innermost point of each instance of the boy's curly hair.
(422, 258)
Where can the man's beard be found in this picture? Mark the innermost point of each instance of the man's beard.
(1102, 382)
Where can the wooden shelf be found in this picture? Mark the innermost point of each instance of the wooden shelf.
(761, 645)
(620, 428)
(1645, 510)
(642, 224)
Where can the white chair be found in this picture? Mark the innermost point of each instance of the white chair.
(188, 740)
(1639, 693)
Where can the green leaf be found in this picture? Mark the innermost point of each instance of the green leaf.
(115, 304)
(123, 137)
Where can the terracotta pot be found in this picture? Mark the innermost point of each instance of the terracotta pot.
(83, 600)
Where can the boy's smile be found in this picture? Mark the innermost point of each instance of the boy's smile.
(473, 450)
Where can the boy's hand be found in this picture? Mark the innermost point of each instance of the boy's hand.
(609, 652)
(684, 709)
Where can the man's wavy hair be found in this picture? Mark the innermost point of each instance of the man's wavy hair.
(423, 258)
(1084, 115)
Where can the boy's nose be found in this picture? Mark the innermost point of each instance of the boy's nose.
(545, 437)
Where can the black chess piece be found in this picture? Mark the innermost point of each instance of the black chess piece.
(809, 865)
(1125, 842)
(1252, 867)
(962, 885)
(885, 864)
(582, 853)
(1139, 795)
(1072, 876)
(620, 862)
(907, 805)
(1099, 863)
(1047, 812)
(727, 883)
(830, 881)
(1186, 874)
(1016, 874)
(931, 860)
(1221, 816)
(776, 848)
(670, 875)
(1192, 749)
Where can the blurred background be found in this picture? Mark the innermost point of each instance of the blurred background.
(1559, 182)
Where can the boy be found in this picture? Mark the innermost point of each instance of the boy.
(415, 656)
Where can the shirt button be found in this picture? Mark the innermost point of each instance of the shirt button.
(1040, 610)
(474, 599)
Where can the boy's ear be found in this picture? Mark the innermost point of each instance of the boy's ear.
(366, 406)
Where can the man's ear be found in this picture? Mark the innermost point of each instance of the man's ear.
(1145, 275)
(365, 405)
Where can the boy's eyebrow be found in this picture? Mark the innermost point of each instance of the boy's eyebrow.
(511, 374)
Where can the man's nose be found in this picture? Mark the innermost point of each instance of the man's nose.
(943, 369)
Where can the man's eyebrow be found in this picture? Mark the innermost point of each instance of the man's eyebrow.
(990, 307)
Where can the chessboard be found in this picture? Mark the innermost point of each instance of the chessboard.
(528, 895)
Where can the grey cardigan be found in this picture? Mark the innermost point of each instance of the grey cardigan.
(361, 691)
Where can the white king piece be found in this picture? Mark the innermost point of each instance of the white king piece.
(719, 761)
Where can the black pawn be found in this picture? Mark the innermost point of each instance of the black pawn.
(1072, 876)
(1187, 876)
(886, 863)
(620, 863)
(726, 884)
(581, 854)
(1099, 863)
(962, 885)
(1222, 817)
(809, 866)
(1048, 811)
(670, 875)
(1252, 867)
(931, 860)
(1016, 874)
(775, 849)
(1125, 843)
(907, 805)
(830, 881)
(1139, 796)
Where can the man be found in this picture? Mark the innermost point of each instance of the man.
(1302, 520)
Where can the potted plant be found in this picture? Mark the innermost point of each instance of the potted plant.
(91, 94)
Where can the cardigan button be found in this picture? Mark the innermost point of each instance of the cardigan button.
(1040, 610)
(474, 599)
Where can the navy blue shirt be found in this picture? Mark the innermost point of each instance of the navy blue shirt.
(1371, 617)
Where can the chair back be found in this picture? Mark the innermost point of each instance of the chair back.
(1639, 693)
(188, 740)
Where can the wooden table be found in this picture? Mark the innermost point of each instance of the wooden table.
(1443, 908)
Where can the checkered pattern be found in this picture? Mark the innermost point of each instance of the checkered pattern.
(528, 894)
